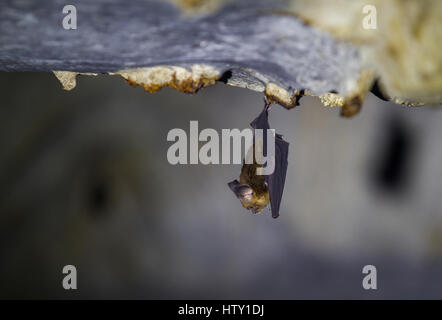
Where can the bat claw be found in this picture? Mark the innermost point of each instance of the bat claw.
(267, 104)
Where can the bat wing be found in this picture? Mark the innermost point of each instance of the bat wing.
(276, 180)
(261, 121)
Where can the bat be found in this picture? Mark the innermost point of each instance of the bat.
(256, 191)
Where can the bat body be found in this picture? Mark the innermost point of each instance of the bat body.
(256, 191)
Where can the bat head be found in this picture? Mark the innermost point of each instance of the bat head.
(243, 191)
(248, 197)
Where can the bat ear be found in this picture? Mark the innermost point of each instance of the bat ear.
(233, 186)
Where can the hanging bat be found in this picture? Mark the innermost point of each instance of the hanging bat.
(256, 191)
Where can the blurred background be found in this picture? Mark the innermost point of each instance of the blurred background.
(84, 180)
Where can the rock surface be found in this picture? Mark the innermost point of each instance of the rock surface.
(251, 44)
